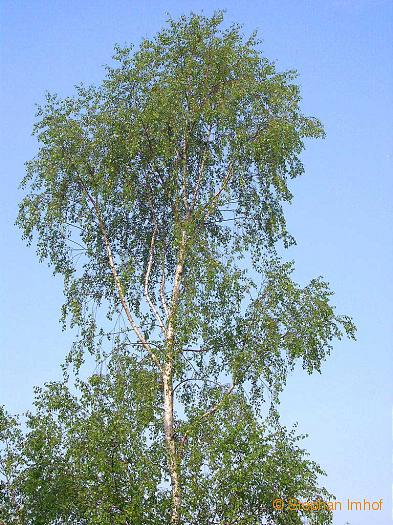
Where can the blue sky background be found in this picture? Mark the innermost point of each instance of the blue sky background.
(341, 215)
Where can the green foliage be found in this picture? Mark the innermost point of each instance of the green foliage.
(158, 196)
(11, 498)
(95, 456)
(235, 477)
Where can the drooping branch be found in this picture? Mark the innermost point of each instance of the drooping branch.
(115, 275)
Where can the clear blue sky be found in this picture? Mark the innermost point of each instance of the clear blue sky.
(341, 215)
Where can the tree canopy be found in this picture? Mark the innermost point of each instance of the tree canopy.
(158, 196)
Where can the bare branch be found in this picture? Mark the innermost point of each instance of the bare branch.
(78, 244)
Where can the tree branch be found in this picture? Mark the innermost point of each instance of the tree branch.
(162, 292)
(210, 205)
(201, 169)
(208, 413)
(176, 286)
(116, 278)
(147, 276)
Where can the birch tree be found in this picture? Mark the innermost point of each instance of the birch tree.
(158, 197)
